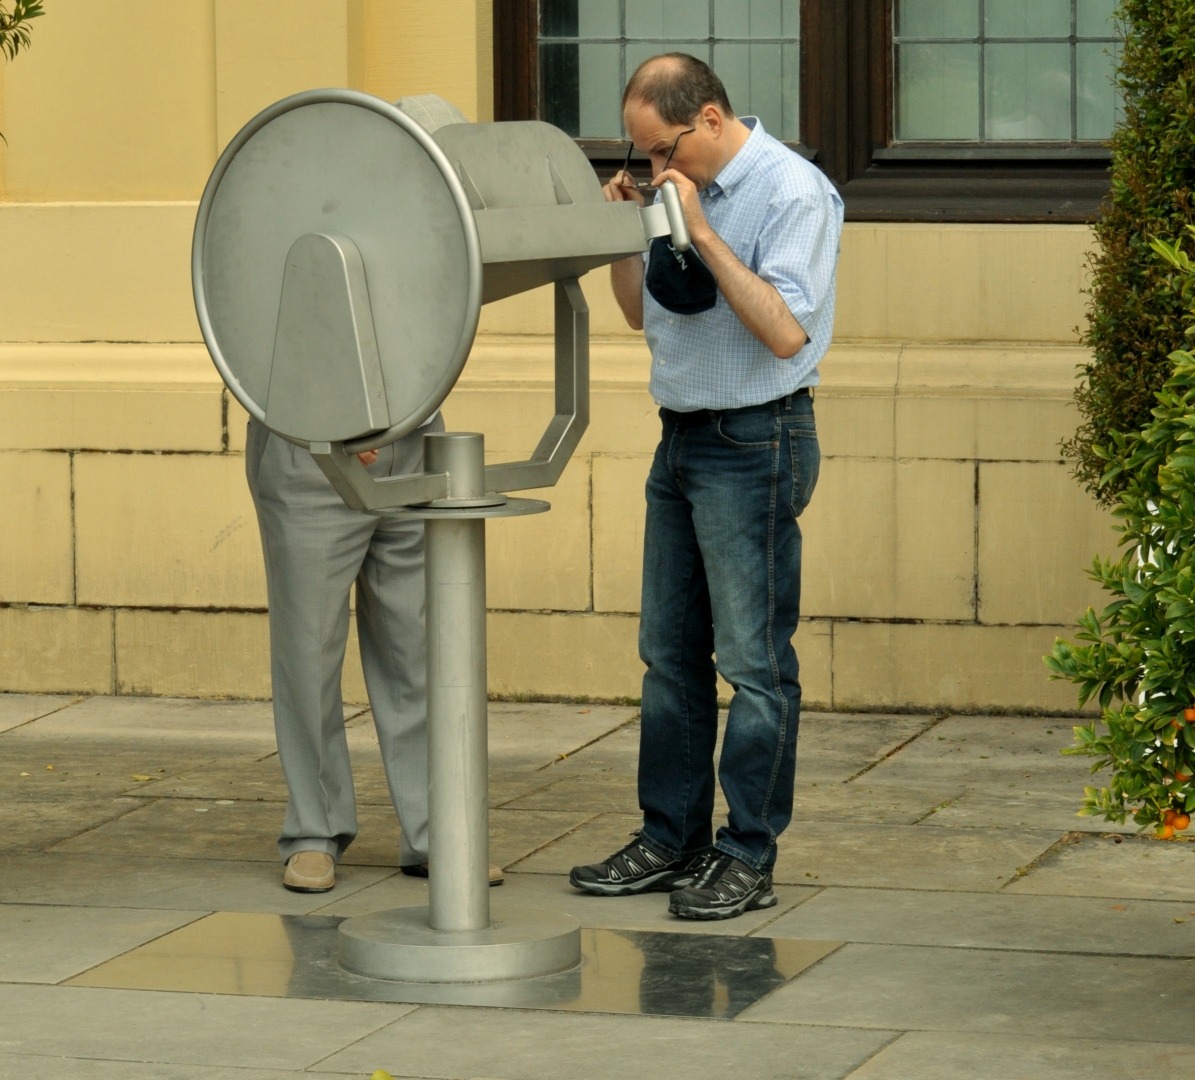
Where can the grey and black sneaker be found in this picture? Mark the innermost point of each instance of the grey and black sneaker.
(635, 869)
(725, 887)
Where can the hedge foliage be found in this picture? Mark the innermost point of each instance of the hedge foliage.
(1135, 320)
(1140, 651)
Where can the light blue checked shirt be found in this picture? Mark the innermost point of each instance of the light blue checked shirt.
(782, 218)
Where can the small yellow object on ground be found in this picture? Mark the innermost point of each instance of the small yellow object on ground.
(140, 777)
(381, 1074)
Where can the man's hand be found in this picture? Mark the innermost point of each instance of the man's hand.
(367, 457)
(699, 228)
(622, 188)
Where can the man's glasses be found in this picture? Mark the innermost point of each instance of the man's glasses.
(667, 161)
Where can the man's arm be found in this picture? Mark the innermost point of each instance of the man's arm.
(626, 275)
(758, 304)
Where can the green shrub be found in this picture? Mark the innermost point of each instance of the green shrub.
(1140, 650)
(1135, 320)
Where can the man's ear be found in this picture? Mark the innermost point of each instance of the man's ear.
(713, 119)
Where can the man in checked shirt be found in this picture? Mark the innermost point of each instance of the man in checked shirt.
(736, 335)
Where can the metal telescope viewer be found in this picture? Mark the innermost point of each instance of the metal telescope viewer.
(341, 257)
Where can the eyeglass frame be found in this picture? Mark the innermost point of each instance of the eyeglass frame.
(667, 161)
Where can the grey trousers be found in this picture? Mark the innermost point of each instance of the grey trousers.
(315, 547)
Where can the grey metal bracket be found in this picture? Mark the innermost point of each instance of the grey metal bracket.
(567, 426)
(363, 492)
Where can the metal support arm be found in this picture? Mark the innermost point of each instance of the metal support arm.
(361, 491)
(564, 431)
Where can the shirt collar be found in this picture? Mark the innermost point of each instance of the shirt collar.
(739, 167)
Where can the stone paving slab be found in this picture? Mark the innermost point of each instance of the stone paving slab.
(214, 829)
(55, 768)
(1053, 808)
(153, 720)
(865, 803)
(905, 856)
(989, 752)
(55, 1067)
(100, 881)
(987, 921)
(18, 709)
(34, 823)
(835, 746)
(521, 734)
(198, 1029)
(933, 1055)
(557, 1046)
(49, 944)
(1137, 867)
(1031, 995)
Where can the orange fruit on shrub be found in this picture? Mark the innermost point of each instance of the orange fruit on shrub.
(1189, 714)
(1182, 776)
(1169, 816)
(1165, 832)
(1182, 821)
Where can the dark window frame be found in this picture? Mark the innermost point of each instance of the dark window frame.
(846, 127)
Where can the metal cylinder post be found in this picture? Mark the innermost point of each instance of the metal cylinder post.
(453, 939)
(458, 755)
(458, 789)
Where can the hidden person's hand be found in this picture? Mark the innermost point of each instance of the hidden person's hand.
(621, 188)
(367, 457)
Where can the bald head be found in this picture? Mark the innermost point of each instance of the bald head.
(677, 86)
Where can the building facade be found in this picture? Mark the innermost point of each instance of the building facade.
(946, 543)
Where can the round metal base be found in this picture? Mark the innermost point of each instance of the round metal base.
(510, 508)
(399, 946)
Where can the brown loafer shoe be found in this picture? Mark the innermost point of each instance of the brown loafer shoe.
(310, 871)
(420, 870)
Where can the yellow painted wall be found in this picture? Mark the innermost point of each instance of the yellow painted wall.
(944, 548)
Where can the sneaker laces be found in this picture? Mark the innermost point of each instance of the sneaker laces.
(726, 880)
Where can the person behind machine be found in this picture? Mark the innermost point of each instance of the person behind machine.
(736, 326)
(315, 548)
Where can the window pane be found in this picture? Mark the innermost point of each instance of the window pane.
(668, 18)
(938, 92)
(937, 18)
(1028, 91)
(638, 51)
(752, 74)
(597, 19)
(559, 88)
(1099, 100)
(1094, 18)
(558, 18)
(790, 60)
(758, 56)
(601, 102)
(754, 18)
(1027, 18)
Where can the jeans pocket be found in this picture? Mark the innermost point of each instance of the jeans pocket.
(807, 460)
(755, 430)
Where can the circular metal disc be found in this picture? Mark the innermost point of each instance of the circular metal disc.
(343, 162)
(519, 943)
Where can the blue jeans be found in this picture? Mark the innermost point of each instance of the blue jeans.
(722, 576)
